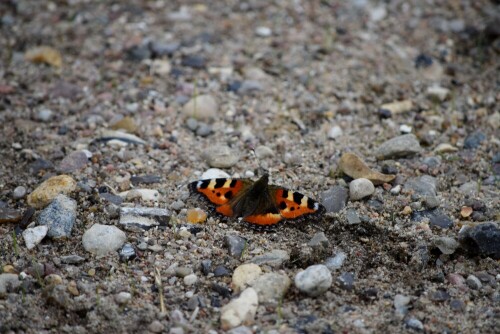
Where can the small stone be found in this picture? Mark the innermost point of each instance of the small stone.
(214, 173)
(424, 185)
(240, 310)
(127, 253)
(439, 295)
(457, 305)
(19, 192)
(127, 124)
(274, 258)
(138, 52)
(194, 61)
(10, 215)
(196, 216)
(445, 148)
(220, 156)
(356, 168)
(204, 130)
(221, 271)
(59, 217)
(398, 107)
(336, 262)
(235, 245)
(190, 279)
(473, 282)
(103, 239)
(474, 140)
(72, 288)
(243, 275)
(249, 87)
(33, 236)
(146, 195)
(466, 211)
(8, 283)
(469, 188)
(335, 132)
(352, 217)
(263, 32)
(406, 210)
(48, 190)
(335, 199)
(241, 330)
(156, 327)
(438, 93)
(457, 280)
(206, 265)
(145, 179)
(401, 303)
(72, 259)
(446, 245)
(9, 269)
(398, 147)
(161, 67)
(263, 152)
(436, 218)
(44, 54)
(201, 107)
(414, 323)
(53, 279)
(431, 202)
(73, 162)
(483, 239)
(141, 218)
(122, 298)
(183, 271)
(271, 287)
(396, 190)
(319, 240)
(346, 281)
(314, 281)
(360, 188)
(405, 129)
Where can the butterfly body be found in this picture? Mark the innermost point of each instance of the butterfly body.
(259, 204)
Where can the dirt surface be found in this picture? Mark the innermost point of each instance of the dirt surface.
(299, 82)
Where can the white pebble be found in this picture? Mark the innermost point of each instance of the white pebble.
(360, 188)
(314, 281)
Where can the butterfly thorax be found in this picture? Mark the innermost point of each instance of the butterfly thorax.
(255, 199)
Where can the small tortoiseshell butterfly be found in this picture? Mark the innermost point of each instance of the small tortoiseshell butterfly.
(259, 204)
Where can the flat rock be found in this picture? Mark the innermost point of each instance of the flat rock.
(59, 217)
(398, 107)
(202, 107)
(335, 199)
(314, 281)
(425, 185)
(398, 147)
(243, 275)
(214, 173)
(360, 188)
(446, 245)
(33, 236)
(103, 239)
(356, 168)
(73, 162)
(482, 239)
(143, 218)
(271, 287)
(474, 140)
(436, 217)
(274, 258)
(220, 156)
(8, 282)
(240, 310)
(49, 189)
(8, 215)
(235, 245)
(336, 262)
(146, 195)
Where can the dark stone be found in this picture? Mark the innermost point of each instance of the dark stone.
(457, 305)
(193, 302)
(159, 49)
(220, 271)
(369, 294)
(436, 218)
(115, 199)
(221, 290)
(376, 205)
(72, 259)
(235, 245)
(206, 266)
(63, 129)
(176, 72)
(73, 162)
(423, 61)
(482, 239)
(389, 169)
(475, 204)
(474, 140)
(127, 253)
(145, 179)
(10, 215)
(346, 281)
(234, 86)
(66, 90)
(384, 113)
(38, 165)
(352, 217)
(440, 295)
(334, 199)
(139, 53)
(194, 61)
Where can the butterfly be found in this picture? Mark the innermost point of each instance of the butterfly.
(260, 205)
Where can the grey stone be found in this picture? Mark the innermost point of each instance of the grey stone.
(19, 192)
(352, 217)
(346, 281)
(360, 188)
(414, 323)
(201, 107)
(319, 240)
(314, 281)
(235, 245)
(33, 236)
(103, 239)
(250, 86)
(139, 218)
(127, 253)
(398, 147)
(220, 156)
(482, 239)
(73, 162)
(335, 262)
(271, 287)
(44, 115)
(59, 216)
(424, 185)
(446, 245)
(473, 282)
(8, 283)
(401, 303)
(274, 258)
(72, 259)
(474, 140)
(334, 199)
(431, 202)
(436, 218)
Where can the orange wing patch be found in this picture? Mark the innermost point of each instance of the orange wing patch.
(218, 191)
(265, 219)
(293, 205)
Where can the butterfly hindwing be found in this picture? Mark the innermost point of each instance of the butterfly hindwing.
(294, 205)
(218, 192)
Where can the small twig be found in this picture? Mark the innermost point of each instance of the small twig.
(194, 315)
(160, 289)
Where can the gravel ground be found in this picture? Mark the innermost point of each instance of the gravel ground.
(385, 112)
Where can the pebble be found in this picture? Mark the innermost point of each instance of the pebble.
(405, 128)
(39, 165)
(221, 271)
(334, 199)
(352, 217)
(156, 327)
(44, 115)
(249, 87)
(319, 240)
(72, 259)
(414, 323)
(457, 280)
(59, 217)
(445, 148)
(204, 130)
(127, 253)
(73, 162)
(196, 216)
(8, 283)
(220, 156)
(356, 168)
(33, 236)
(235, 245)
(190, 279)
(19, 192)
(49, 189)
(398, 107)
(398, 147)
(241, 330)
(214, 173)
(122, 298)
(431, 202)
(425, 185)
(439, 295)
(438, 93)
(336, 262)
(473, 282)
(139, 52)
(446, 245)
(183, 271)
(194, 61)
(474, 140)
(436, 218)
(335, 132)
(271, 287)
(396, 190)
(263, 152)
(274, 258)
(8, 215)
(346, 281)
(401, 303)
(53, 279)
(119, 138)
(160, 49)
(483, 239)
(127, 124)
(103, 239)
(469, 188)
(202, 107)
(457, 305)
(263, 32)
(206, 266)
(314, 281)
(145, 179)
(240, 310)
(243, 275)
(161, 67)
(360, 188)
(142, 218)
(146, 195)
